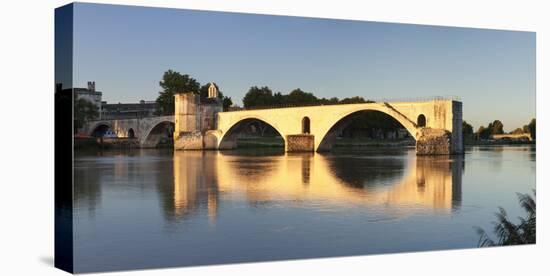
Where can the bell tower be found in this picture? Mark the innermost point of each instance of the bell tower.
(212, 91)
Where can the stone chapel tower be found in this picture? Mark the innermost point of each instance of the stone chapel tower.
(212, 91)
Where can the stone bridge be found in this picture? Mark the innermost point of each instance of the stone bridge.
(148, 131)
(436, 125)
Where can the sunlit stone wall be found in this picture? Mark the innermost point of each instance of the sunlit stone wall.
(433, 142)
(300, 142)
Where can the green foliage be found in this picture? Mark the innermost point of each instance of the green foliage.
(226, 103)
(496, 127)
(507, 232)
(84, 111)
(352, 100)
(297, 96)
(532, 128)
(483, 132)
(333, 100)
(255, 96)
(173, 82)
(264, 97)
(467, 129)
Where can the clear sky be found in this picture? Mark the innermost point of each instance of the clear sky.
(126, 49)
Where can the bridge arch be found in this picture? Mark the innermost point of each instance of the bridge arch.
(99, 128)
(228, 139)
(327, 136)
(156, 132)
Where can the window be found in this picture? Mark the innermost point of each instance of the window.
(305, 125)
(421, 121)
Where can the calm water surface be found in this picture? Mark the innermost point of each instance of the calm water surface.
(157, 208)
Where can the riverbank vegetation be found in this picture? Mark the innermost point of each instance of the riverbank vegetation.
(83, 111)
(494, 133)
(509, 233)
(258, 97)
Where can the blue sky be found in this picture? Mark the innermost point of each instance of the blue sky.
(126, 49)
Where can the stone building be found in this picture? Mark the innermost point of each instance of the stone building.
(89, 94)
(195, 117)
(142, 109)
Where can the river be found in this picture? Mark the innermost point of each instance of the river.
(158, 208)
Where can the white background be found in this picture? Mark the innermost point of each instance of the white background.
(26, 135)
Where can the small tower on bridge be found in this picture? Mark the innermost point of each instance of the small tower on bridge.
(212, 91)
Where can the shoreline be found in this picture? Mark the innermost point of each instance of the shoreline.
(274, 142)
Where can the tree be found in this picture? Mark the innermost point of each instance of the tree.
(483, 132)
(507, 232)
(297, 97)
(355, 99)
(172, 83)
(84, 111)
(532, 127)
(467, 130)
(226, 103)
(278, 98)
(496, 127)
(518, 130)
(258, 97)
(333, 100)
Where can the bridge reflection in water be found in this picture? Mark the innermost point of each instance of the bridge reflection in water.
(403, 184)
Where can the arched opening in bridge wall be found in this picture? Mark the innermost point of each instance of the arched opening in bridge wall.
(161, 135)
(421, 121)
(252, 133)
(306, 125)
(100, 130)
(366, 128)
(131, 133)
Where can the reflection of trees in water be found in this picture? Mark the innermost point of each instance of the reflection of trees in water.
(532, 150)
(254, 152)
(256, 163)
(87, 185)
(366, 172)
(95, 169)
(429, 180)
(494, 153)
